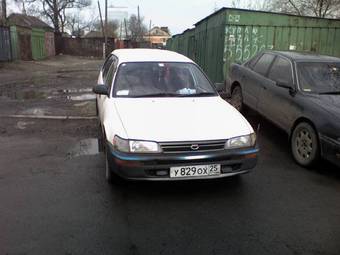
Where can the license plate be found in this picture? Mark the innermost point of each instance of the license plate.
(195, 171)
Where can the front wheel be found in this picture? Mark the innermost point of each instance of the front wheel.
(108, 171)
(237, 98)
(97, 112)
(304, 145)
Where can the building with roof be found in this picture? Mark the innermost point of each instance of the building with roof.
(29, 22)
(157, 37)
(31, 38)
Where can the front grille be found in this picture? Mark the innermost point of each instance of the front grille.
(175, 147)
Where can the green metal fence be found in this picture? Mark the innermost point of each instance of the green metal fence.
(14, 43)
(38, 44)
(235, 35)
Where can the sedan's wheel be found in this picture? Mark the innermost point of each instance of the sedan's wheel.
(237, 98)
(97, 112)
(304, 144)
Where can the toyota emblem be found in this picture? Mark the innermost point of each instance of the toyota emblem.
(194, 147)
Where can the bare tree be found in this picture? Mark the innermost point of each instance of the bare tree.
(112, 27)
(3, 11)
(318, 8)
(260, 5)
(55, 11)
(76, 25)
(136, 27)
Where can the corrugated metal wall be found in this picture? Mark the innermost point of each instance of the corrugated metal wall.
(234, 35)
(5, 44)
(247, 33)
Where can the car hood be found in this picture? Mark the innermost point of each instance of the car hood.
(180, 119)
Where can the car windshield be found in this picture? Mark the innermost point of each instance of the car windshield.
(319, 77)
(156, 79)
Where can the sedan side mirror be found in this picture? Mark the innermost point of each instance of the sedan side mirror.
(101, 89)
(283, 84)
(219, 87)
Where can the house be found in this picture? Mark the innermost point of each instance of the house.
(26, 21)
(157, 37)
(31, 37)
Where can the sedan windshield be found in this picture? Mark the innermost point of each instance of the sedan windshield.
(319, 77)
(151, 79)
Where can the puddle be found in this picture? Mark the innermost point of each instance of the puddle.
(68, 91)
(72, 94)
(22, 124)
(82, 97)
(77, 94)
(22, 95)
(85, 147)
(82, 104)
(36, 111)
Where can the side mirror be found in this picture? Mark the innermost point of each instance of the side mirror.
(283, 84)
(219, 87)
(100, 89)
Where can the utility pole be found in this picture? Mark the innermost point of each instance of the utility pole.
(126, 31)
(101, 19)
(105, 27)
(120, 32)
(150, 33)
(139, 27)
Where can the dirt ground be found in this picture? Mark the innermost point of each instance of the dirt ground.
(57, 87)
(54, 198)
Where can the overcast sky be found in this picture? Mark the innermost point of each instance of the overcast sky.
(178, 15)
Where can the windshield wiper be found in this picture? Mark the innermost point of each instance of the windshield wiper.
(202, 94)
(330, 93)
(158, 95)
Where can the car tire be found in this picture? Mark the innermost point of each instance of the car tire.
(305, 145)
(108, 170)
(97, 112)
(237, 98)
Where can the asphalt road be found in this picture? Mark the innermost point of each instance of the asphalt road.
(54, 198)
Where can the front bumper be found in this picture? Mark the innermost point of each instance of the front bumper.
(156, 167)
(330, 149)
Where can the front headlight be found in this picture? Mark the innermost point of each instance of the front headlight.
(135, 146)
(241, 141)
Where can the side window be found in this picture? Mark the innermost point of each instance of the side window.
(106, 67)
(281, 71)
(111, 72)
(262, 65)
(251, 63)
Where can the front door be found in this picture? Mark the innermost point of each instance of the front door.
(277, 103)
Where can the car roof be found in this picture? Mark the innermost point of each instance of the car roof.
(305, 56)
(149, 55)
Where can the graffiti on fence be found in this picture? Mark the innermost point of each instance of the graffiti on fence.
(243, 42)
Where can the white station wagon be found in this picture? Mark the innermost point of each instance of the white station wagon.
(162, 119)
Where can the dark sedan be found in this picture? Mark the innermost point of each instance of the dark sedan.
(298, 92)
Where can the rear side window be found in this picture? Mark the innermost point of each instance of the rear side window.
(111, 72)
(281, 71)
(263, 64)
(106, 66)
(251, 63)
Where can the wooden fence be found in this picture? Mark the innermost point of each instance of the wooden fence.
(5, 44)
